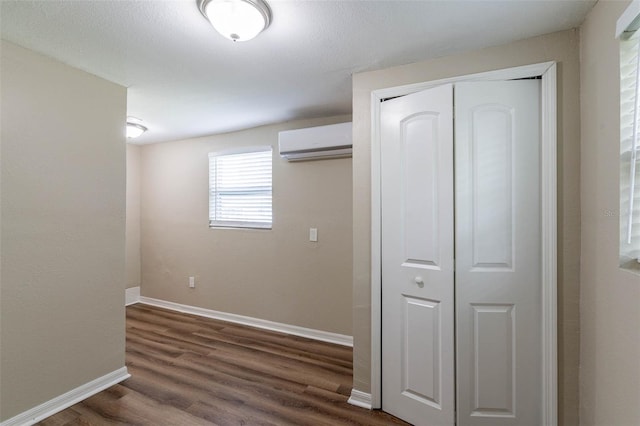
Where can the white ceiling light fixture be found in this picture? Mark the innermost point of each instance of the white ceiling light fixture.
(237, 20)
(135, 127)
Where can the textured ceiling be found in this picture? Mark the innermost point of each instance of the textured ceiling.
(186, 80)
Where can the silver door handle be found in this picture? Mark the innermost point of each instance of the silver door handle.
(419, 281)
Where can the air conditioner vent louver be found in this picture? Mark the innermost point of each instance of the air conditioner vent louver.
(316, 143)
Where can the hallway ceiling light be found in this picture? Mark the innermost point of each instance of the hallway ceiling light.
(237, 20)
(135, 127)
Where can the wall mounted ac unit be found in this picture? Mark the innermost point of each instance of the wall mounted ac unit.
(316, 143)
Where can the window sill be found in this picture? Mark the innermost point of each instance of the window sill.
(242, 228)
(630, 265)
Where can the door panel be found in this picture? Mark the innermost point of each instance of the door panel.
(417, 256)
(491, 141)
(419, 161)
(493, 358)
(421, 344)
(498, 264)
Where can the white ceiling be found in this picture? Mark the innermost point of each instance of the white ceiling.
(186, 80)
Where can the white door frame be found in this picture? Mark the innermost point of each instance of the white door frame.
(548, 181)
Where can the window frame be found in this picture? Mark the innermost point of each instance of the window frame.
(629, 74)
(240, 223)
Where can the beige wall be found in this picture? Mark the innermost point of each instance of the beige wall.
(561, 47)
(277, 274)
(610, 307)
(63, 210)
(132, 251)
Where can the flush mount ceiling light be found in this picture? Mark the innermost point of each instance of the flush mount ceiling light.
(237, 20)
(134, 127)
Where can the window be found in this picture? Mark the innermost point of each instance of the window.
(629, 153)
(240, 188)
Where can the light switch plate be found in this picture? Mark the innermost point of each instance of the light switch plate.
(313, 234)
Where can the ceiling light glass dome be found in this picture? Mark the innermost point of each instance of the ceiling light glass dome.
(237, 20)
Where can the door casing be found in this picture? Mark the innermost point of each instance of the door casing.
(548, 181)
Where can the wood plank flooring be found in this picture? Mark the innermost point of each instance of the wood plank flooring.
(188, 370)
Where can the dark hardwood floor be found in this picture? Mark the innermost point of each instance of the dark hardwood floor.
(188, 370)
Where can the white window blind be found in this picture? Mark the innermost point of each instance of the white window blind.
(240, 189)
(629, 155)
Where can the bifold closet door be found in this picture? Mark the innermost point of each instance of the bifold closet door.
(417, 257)
(498, 259)
(496, 348)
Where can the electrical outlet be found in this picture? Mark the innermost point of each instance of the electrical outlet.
(192, 282)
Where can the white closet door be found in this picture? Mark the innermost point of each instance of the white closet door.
(498, 244)
(417, 257)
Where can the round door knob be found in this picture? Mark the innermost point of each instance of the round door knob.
(419, 281)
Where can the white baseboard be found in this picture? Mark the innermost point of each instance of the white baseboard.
(66, 400)
(361, 399)
(325, 336)
(131, 296)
